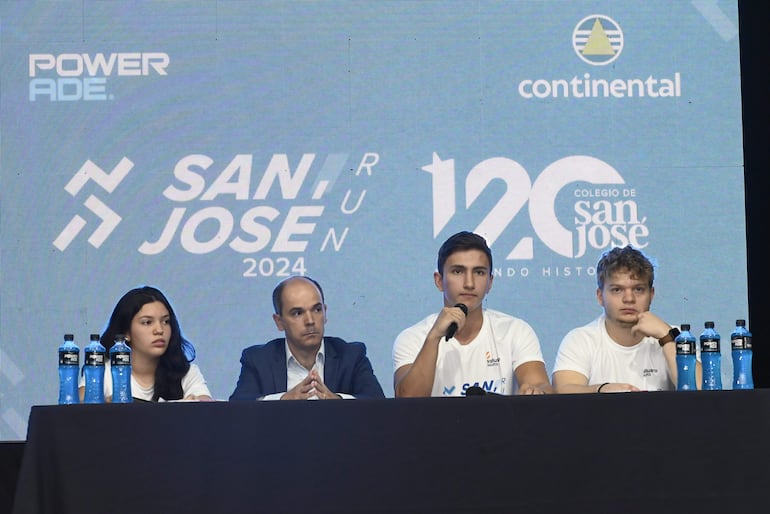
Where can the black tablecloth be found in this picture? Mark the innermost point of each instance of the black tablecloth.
(11, 453)
(702, 452)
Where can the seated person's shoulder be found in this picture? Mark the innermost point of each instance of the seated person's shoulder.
(263, 347)
(343, 345)
(591, 331)
(502, 317)
(586, 338)
(420, 326)
(503, 320)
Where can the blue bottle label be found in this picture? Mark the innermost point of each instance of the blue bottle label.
(69, 358)
(741, 343)
(685, 348)
(120, 359)
(94, 358)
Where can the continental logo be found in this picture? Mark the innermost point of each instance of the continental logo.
(598, 41)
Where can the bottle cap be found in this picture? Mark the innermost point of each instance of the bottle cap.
(709, 324)
(740, 322)
(685, 326)
(94, 337)
(69, 337)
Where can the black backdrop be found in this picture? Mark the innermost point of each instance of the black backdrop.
(755, 48)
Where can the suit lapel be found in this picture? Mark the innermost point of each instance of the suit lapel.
(331, 365)
(278, 367)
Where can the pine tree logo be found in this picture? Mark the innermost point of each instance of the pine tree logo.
(597, 40)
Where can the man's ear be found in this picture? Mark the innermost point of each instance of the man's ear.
(278, 322)
(599, 297)
(438, 280)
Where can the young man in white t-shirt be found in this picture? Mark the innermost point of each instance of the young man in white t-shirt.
(451, 351)
(628, 348)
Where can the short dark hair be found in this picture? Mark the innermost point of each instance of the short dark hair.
(459, 242)
(277, 301)
(628, 259)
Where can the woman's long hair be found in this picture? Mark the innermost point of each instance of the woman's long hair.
(175, 361)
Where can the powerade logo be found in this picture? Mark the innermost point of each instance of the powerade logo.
(237, 206)
(598, 40)
(71, 77)
(603, 211)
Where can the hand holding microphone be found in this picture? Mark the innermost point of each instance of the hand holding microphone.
(450, 332)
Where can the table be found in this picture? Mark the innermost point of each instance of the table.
(11, 453)
(700, 451)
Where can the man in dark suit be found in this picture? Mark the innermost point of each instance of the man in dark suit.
(304, 365)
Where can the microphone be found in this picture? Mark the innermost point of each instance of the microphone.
(450, 332)
(475, 391)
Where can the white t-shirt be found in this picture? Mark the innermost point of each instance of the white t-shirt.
(591, 351)
(488, 361)
(193, 383)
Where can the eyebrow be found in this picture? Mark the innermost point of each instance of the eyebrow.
(635, 284)
(315, 306)
(462, 266)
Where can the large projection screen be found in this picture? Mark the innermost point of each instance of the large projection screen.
(211, 148)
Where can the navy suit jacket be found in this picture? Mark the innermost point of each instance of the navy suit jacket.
(346, 370)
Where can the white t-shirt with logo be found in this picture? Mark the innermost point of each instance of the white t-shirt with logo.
(488, 361)
(591, 351)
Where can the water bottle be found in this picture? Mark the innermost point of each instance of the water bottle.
(711, 357)
(69, 366)
(120, 367)
(685, 359)
(93, 368)
(740, 342)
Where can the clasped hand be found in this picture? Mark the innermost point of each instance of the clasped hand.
(526, 389)
(312, 386)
